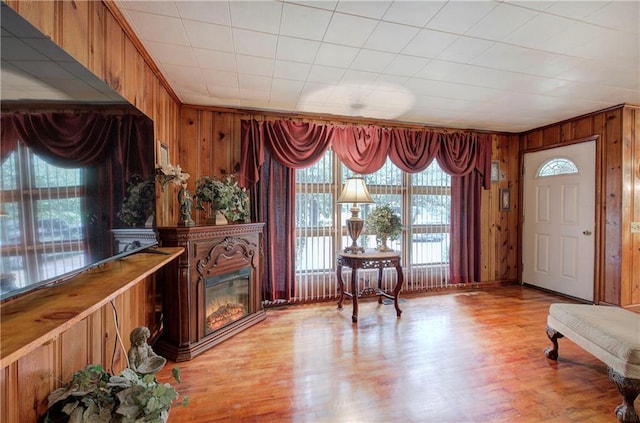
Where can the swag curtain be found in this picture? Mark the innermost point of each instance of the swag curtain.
(364, 150)
(105, 143)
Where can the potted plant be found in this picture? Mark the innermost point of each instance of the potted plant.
(94, 395)
(222, 195)
(386, 224)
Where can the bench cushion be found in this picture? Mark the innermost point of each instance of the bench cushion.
(612, 334)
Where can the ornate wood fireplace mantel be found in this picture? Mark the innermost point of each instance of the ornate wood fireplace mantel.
(210, 251)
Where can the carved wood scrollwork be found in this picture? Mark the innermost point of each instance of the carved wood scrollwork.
(228, 247)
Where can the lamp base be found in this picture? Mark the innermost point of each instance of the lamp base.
(354, 227)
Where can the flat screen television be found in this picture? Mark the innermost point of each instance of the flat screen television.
(59, 206)
(58, 215)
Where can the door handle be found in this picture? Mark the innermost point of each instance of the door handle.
(587, 233)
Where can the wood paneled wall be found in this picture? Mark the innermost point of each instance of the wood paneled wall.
(210, 145)
(617, 194)
(26, 383)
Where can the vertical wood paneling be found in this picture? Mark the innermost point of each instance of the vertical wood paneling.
(74, 30)
(114, 53)
(613, 205)
(74, 349)
(35, 380)
(9, 395)
(97, 39)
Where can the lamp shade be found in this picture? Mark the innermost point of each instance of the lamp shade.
(355, 191)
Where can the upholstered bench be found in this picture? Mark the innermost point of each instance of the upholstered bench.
(612, 335)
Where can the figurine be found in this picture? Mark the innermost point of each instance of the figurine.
(186, 203)
(142, 359)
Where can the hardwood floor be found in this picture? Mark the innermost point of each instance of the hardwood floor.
(454, 357)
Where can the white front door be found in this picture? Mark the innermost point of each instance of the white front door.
(559, 219)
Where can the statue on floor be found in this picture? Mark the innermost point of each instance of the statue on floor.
(142, 359)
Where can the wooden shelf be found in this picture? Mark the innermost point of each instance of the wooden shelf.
(34, 319)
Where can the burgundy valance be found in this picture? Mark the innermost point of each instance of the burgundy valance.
(363, 149)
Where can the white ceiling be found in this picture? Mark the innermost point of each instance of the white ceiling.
(503, 66)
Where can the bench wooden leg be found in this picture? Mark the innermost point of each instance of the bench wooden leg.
(554, 335)
(630, 389)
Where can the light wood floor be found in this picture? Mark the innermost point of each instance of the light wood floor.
(454, 357)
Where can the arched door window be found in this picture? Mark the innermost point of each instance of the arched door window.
(556, 166)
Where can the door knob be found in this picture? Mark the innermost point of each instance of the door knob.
(587, 233)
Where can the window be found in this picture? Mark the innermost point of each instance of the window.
(54, 244)
(423, 201)
(557, 166)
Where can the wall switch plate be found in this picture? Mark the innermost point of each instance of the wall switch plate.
(635, 227)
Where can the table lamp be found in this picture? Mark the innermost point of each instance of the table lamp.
(355, 191)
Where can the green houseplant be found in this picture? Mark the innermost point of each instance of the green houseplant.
(94, 395)
(386, 224)
(223, 195)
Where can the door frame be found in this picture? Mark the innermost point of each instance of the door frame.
(598, 249)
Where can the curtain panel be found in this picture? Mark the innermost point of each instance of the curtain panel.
(364, 149)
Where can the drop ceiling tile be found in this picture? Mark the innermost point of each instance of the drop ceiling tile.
(349, 30)
(428, 43)
(261, 16)
(171, 54)
(368, 60)
(415, 13)
(297, 49)
(502, 56)
(390, 37)
(319, 4)
(574, 35)
(164, 29)
(286, 87)
(325, 74)
(501, 21)
(216, 12)
(254, 65)
(459, 16)
(529, 34)
(368, 9)
(216, 60)
(304, 22)
(357, 77)
(166, 8)
(254, 82)
(254, 43)
(209, 36)
(185, 77)
(403, 65)
(335, 55)
(465, 49)
(226, 93)
(618, 15)
(291, 70)
(221, 79)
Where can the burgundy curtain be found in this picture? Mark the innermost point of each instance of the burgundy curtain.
(293, 144)
(361, 149)
(276, 208)
(465, 156)
(413, 151)
(106, 144)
